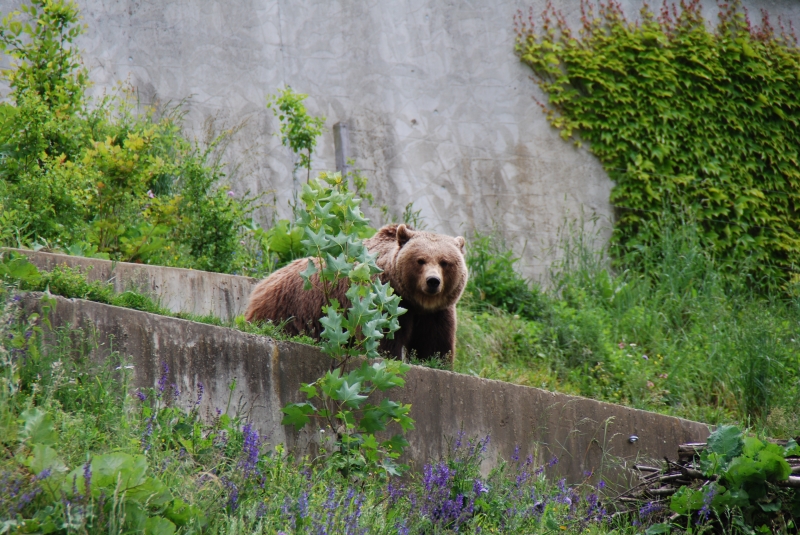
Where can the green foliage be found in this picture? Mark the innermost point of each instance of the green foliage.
(494, 280)
(334, 227)
(675, 335)
(95, 178)
(685, 120)
(299, 130)
(743, 488)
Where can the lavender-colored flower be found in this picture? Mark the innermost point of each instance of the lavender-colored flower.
(175, 392)
(250, 449)
(162, 381)
(231, 193)
(148, 430)
(44, 474)
(515, 455)
(302, 505)
(233, 493)
(650, 508)
(479, 488)
(601, 485)
(200, 390)
(459, 439)
(261, 510)
(553, 462)
(150, 194)
(708, 497)
(141, 395)
(87, 478)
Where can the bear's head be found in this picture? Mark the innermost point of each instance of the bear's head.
(429, 268)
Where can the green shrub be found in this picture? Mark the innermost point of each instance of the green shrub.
(94, 177)
(685, 120)
(494, 280)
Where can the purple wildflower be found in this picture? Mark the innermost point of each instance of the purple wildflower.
(162, 381)
(479, 488)
(44, 474)
(87, 478)
(708, 497)
(150, 194)
(649, 509)
(148, 430)
(261, 510)
(141, 395)
(200, 390)
(231, 193)
(515, 455)
(250, 448)
(233, 493)
(553, 462)
(459, 439)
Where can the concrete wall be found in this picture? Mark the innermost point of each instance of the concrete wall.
(440, 111)
(586, 435)
(179, 290)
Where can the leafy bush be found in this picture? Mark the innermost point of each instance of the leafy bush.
(684, 120)
(744, 486)
(494, 280)
(94, 178)
(334, 226)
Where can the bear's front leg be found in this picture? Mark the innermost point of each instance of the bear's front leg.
(433, 334)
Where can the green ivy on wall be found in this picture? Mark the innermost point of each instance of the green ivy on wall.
(687, 120)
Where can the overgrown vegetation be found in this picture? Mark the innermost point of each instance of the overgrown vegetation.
(96, 178)
(83, 452)
(698, 123)
(676, 335)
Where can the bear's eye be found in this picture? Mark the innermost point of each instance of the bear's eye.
(444, 263)
(421, 262)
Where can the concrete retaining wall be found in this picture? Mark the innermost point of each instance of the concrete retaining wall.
(179, 290)
(586, 435)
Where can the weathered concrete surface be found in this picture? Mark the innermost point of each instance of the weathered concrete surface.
(586, 435)
(439, 109)
(179, 290)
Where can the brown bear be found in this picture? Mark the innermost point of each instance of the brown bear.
(425, 269)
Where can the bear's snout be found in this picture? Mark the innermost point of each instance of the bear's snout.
(433, 283)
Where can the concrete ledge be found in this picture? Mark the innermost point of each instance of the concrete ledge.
(179, 290)
(586, 435)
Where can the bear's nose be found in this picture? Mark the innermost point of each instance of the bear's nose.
(433, 283)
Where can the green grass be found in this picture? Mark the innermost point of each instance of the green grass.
(674, 335)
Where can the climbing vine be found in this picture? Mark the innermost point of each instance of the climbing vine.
(688, 120)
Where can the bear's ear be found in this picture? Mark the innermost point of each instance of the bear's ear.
(403, 235)
(460, 243)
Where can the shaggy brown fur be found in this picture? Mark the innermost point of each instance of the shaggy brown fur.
(425, 269)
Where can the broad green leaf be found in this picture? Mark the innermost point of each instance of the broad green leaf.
(44, 457)
(156, 525)
(38, 427)
(297, 414)
(350, 394)
(726, 441)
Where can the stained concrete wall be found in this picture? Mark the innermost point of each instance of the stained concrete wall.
(440, 111)
(179, 290)
(586, 435)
